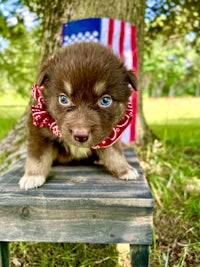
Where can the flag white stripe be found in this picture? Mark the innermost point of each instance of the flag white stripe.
(128, 61)
(116, 36)
(127, 46)
(104, 31)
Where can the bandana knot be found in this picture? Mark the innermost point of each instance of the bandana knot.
(41, 118)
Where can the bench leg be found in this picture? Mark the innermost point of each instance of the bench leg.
(4, 254)
(139, 255)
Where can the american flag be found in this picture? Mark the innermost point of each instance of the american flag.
(119, 35)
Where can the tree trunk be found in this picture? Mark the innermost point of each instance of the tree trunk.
(171, 91)
(53, 14)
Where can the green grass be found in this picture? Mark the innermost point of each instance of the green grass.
(173, 174)
(58, 255)
(174, 120)
(172, 169)
(171, 166)
(12, 106)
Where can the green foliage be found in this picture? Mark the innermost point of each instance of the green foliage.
(178, 19)
(171, 69)
(172, 47)
(18, 54)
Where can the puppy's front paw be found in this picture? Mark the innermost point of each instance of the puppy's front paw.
(131, 174)
(31, 181)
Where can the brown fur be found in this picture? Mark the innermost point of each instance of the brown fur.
(84, 73)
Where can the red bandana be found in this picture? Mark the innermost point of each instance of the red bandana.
(41, 118)
(118, 130)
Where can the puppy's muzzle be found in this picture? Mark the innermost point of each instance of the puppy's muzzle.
(80, 135)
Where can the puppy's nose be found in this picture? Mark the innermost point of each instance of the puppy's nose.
(81, 135)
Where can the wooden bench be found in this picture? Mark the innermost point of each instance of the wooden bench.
(79, 203)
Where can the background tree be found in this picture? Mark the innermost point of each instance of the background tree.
(18, 50)
(172, 47)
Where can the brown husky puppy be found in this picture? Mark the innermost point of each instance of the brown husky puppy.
(81, 95)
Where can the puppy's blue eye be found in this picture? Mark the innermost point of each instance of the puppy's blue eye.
(63, 99)
(105, 101)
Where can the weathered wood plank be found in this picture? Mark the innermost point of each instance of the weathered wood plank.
(77, 204)
(76, 225)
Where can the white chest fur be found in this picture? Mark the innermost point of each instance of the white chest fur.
(79, 152)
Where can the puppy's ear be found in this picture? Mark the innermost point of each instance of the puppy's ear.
(132, 79)
(43, 75)
(42, 78)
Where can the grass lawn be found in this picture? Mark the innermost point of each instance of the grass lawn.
(12, 106)
(172, 168)
(171, 165)
(174, 119)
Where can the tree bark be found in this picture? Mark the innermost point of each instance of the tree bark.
(53, 14)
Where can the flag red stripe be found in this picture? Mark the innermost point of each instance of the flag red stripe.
(121, 40)
(133, 123)
(134, 49)
(135, 95)
(111, 31)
